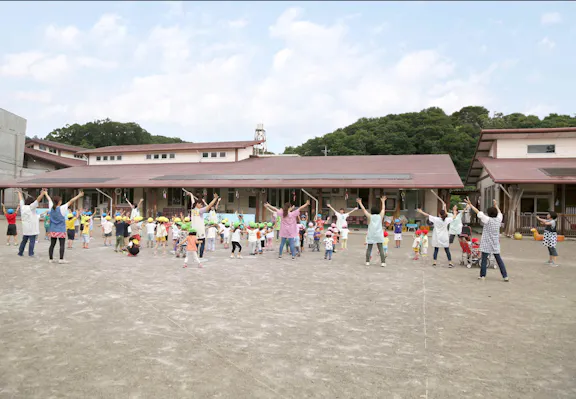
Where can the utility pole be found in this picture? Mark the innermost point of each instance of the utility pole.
(325, 150)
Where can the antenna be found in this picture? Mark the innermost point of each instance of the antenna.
(260, 135)
(325, 150)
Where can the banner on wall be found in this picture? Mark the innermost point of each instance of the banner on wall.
(232, 217)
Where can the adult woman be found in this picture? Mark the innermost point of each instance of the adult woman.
(550, 236)
(456, 225)
(440, 237)
(288, 225)
(30, 222)
(375, 233)
(341, 216)
(490, 241)
(197, 221)
(58, 213)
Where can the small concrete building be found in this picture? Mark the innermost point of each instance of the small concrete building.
(538, 164)
(162, 173)
(13, 138)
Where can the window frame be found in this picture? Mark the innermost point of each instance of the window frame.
(118, 157)
(222, 154)
(156, 156)
(98, 158)
(205, 155)
(545, 147)
(104, 157)
(148, 156)
(213, 155)
(231, 194)
(42, 147)
(112, 158)
(164, 156)
(172, 155)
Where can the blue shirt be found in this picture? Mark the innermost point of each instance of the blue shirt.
(57, 221)
(120, 228)
(397, 228)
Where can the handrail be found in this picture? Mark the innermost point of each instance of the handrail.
(315, 199)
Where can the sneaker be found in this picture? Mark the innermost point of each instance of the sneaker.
(20, 255)
(434, 264)
(450, 265)
(185, 265)
(232, 256)
(8, 244)
(506, 279)
(367, 263)
(51, 261)
(239, 257)
(481, 278)
(383, 264)
(554, 264)
(200, 266)
(63, 261)
(548, 262)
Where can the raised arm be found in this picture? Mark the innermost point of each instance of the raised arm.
(80, 195)
(330, 206)
(20, 198)
(422, 212)
(140, 202)
(128, 201)
(306, 204)
(359, 201)
(383, 202)
(211, 204)
(3, 209)
(271, 208)
(42, 194)
(469, 203)
(50, 203)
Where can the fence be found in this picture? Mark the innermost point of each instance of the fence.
(566, 224)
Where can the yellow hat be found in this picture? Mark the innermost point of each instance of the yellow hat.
(108, 218)
(186, 219)
(125, 218)
(118, 218)
(138, 218)
(177, 220)
(150, 220)
(136, 242)
(70, 216)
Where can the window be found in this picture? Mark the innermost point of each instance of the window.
(222, 155)
(53, 150)
(252, 201)
(172, 156)
(105, 158)
(148, 156)
(118, 157)
(156, 156)
(111, 157)
(204, 155)
(542, 149)
(42, 147)
(128, 192)
(175, 196)
(78, 156)
(164, 156)
(231, 195)
(213, 155)
(98, 158)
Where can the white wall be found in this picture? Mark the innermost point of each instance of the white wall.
(194, 156)
(518, 148)
(13, 136)
(60, 153)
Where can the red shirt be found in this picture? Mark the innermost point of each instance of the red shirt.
(320, 223)
(11, 218)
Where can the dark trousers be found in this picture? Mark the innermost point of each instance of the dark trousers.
(290, 242)
(380, 249)
(30, 247)
(53, 244)
(499, 260)
(202, 243)
(236, 244)
(448, 254)
(551, 250)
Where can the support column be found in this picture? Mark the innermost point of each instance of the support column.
(258, 204)
(370, 198)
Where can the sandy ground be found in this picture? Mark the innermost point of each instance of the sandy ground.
(108, 326)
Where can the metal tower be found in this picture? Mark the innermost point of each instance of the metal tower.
(260, 135)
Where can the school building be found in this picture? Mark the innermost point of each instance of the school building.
(530, 172)
(160, 174)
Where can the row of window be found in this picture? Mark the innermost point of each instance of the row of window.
(109, 158)
(160, 156)
(213, 155)
(49, 149)
(78, 156)
(542, 149)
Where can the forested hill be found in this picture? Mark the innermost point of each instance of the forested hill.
(102, 133)
(430, 131)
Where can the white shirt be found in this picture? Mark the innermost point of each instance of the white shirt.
(440, 237)
(236, 235)
(107, 226)
(252, 236)
(270, 234)
(340, 219)
(175, 232)
(329, 243)
(226, 231)
(161, 230)
(211, 233)
(134, 213)
(344, 234)
(150, 228)
(30, 219)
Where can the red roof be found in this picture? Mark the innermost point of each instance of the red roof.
(54, 159)
(60, 146)
(533, 170)
(171, 147)
(376, 171)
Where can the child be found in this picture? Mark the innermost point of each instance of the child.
(150, 229)
(47, 226)
(385, 244)
(225, 233)
(328, 245)
(262, 237)
(336, 237)
(398, 232)
(297, 243)
(550, 236)
(302, 234)
(161, 234)
(424, 244)
(107, 225)
(127, 229)
(181, 247)
(175, 234)
(192, 248)
(310, 235)
(320, 222)
(344, 237)
(317, 235)
(416, 244)
(120, 227)
(270, 238)
(136, 227)
(133, 247)
(86, 233)
(252, 239)
(235, 239)
(211, 237)
(70, 231)
(11, 219)
(91, 223)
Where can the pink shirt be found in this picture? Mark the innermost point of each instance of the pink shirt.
(288, 224)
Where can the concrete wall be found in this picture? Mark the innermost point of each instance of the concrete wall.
(38, 164)
(13, 138)
(180, 157)
(565, 148)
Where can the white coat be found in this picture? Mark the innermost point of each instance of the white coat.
(30, 219)
(440, 236)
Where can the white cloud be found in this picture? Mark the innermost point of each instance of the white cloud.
(96, 63)
(19, 64)
(547, 44)
(42, 96)
(109, 29)
(67, 36)
(53, 110)
(51, 68)
(550, 18)
(540, 110)
(238, 23)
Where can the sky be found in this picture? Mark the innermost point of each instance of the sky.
(211, 71)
